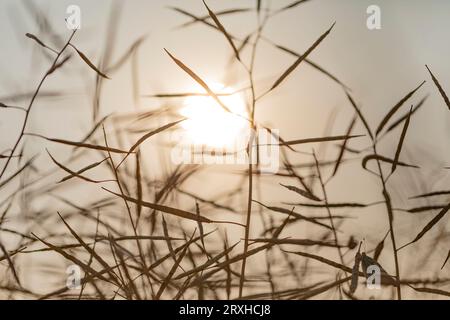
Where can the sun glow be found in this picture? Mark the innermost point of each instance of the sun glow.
(209, 124)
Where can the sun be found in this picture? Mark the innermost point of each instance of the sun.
(209, 124)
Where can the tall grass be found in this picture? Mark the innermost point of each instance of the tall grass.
(137, 234)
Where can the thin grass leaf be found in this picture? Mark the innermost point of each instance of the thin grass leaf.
(221, 266)
(379, 248)
(404, 117)
(69, 257)
(301, 192)
(321, 139)
(429, 226)
(425, 208)
(323, 260)
(78, 144)
(205, 18)
(369, 157)
(441, 90)
(72, 173)
(42, 44)
(152, 133)
(79, 172)
(87, 248)
(185, 94)
(342, 148)
(169, 210)
(432, 290)
(89, 63)
(17, 173)
(300, 59)
(446, 259)
(299, 242)
(208, 263)
(222, 29)
(198, 80)
(11, 264)
(292, 5)
(355, 271)
(58, 65)
(130, 281)
(400, 142)
(294, 214)
(147, 136)
(174, 268)
(168, 242)
(432, 194)
(359, 113)
(395, 108)
(94, 129)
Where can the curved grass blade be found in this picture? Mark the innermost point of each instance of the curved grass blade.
(404, 117)
(77, 173)
(198, 80)
(400, 142)
(292, 5)
(152, 133)
(379, 248)
(89, 63)
(369, 157)
(294, 214)
(42, 44)
(299, 242)
(15, 174)
(148, 135)
(441, 90)
(11, 264)
(174, 268)
(72, 173)
(446, 259)
(359, 113)
(300, 59)
(169, 210)
(429, 225)
(395, 108)
(321, 139)
(78, 144)
(301, 192)
(432, 194)
(355, 271)
(222, 29)
(342, 148)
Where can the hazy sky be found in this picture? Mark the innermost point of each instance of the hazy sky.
(380, 66)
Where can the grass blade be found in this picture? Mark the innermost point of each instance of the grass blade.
(89, 63)
(300, 59)
(198, 80)
(222, 29)
(301, 192)
(369, 157)
(441, 90)
(395, 108)
(169, 210)
(79, 144)
(446, 259)
(400, 142)
(429, 225)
